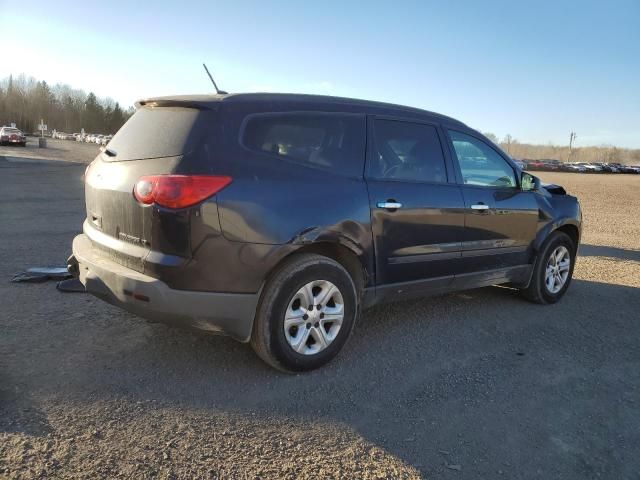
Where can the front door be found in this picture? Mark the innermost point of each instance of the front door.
(501, 219)
(417, 210)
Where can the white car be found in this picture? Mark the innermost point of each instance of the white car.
(576, 167)
(591, 168)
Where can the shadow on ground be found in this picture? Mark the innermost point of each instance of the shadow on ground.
(612, 252)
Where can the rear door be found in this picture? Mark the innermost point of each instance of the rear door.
(500, 218)
(417, 210)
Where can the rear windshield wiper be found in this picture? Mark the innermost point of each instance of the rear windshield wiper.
(109, 152)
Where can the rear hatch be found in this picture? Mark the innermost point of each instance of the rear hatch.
(156, 140)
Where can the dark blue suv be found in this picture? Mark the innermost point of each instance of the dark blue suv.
(276, 219)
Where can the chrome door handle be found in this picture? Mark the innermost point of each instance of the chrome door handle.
(389, 205)
(479, 206)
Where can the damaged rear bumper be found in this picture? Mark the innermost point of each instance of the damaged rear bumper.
(224, 313)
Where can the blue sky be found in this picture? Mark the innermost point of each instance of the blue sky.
(535, 70)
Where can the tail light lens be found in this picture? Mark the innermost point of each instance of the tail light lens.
(178, 191)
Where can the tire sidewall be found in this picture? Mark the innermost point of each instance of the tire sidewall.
(279, 346)
(555, 241)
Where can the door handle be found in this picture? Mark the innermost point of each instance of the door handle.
(479, 206)
(389, 205)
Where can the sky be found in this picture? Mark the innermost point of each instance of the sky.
(534, 70)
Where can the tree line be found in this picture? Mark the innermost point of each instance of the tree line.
(602, 153)
(25, 101)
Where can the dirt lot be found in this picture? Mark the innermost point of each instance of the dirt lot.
(65, 150)
(479, 384)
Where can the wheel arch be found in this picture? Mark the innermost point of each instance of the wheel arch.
(568, 226)
(572, 231)
(348, 258)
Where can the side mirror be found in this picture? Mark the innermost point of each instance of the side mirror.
(528, 182)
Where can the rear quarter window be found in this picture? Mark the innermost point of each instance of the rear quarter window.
(328, 141)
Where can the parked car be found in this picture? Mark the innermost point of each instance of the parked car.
(12, 136)
(106, 139)
(276, 219)
(623, 168)
(552, 165)
(606, 168)
(574, 167)
(591, 168)
(535, 165)
(521, 165)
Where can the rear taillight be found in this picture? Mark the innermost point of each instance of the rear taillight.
(178, 191)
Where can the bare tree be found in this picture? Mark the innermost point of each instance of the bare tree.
(507, 142)
(491, 136)
(24, 101)
(572, 137)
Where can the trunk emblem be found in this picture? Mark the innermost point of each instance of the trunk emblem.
(132, 239)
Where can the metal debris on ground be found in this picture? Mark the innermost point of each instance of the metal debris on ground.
(42, 274)
(72, 285)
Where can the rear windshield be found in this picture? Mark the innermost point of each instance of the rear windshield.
(154, 132)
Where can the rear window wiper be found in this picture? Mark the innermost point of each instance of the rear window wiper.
(109, 152)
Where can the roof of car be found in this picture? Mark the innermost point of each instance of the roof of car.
(204, 101)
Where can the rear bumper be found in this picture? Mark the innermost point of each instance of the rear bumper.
(224, 313)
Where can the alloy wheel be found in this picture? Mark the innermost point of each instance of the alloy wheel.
(557, 270)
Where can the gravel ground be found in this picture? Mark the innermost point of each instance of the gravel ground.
(64, 150)
(479, 384)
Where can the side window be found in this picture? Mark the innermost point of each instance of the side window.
(333, 142)
(407, 151)
(480, 164)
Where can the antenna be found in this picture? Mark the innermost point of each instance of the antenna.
(219, 92)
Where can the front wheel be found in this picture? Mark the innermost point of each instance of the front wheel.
(553, 270)
(306, 314)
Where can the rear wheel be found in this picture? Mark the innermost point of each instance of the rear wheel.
(306, 314)
(553, 270)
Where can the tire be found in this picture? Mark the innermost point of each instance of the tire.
(284, 294)
(538, 290)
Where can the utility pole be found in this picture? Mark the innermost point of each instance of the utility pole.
(508, 140)
(572, 137)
